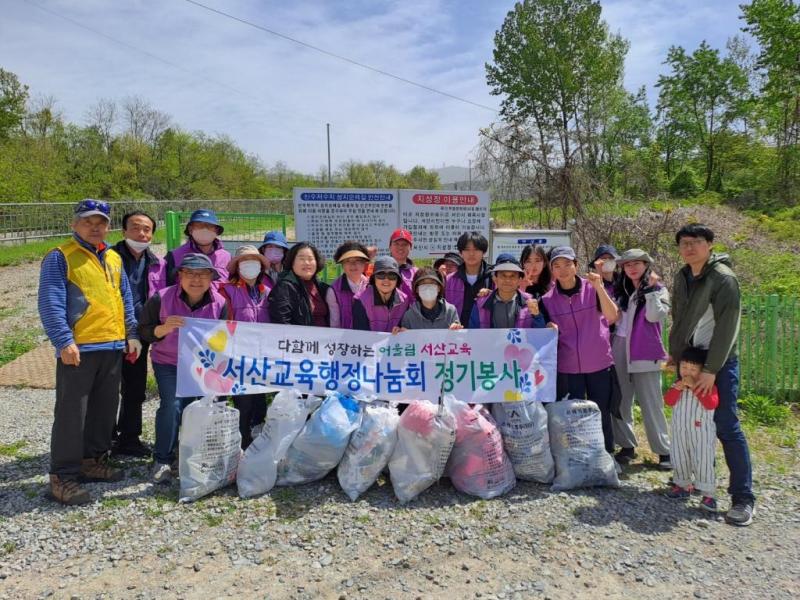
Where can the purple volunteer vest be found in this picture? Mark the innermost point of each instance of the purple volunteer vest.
(645, 338)
(219, 258)
(165, 352)
(454, 291)
(243, 307)
(381, 318)
(156, 277)
(583, 337)
(344, 296)
(407, 272)
(524, 317)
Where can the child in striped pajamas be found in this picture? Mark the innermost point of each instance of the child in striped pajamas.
(694, 434)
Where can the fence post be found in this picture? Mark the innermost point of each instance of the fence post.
(771, 323)
(172, 227)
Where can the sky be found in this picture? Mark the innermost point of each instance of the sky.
(274, 97)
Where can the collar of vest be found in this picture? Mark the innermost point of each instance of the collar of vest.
(206, 299)
(394, 299)
(99, 251)
(493, 298)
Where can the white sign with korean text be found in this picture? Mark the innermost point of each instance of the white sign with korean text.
(514, 240)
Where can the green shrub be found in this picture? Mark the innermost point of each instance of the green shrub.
(684, 184)
(763, 410)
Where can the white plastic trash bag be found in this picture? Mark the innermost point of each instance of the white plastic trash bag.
(369, 450)
(526, 440)
(209, 448)
(576, 440)
(425, 436)
(319, 447)
(286, 416)
(478, 465)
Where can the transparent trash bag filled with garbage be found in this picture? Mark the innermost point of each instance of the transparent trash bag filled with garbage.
(209, 448)
(320, 445)
(425, 436)
(526, 440)
(370, 448)
(576, 440)
(478, 464)
(286, 416)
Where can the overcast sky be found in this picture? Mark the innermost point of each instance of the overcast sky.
(274, 97)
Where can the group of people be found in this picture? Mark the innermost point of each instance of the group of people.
(105, 309)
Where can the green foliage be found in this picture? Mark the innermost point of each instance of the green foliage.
(777, 273)
(13, 97)
(17, 342)
(377, 174)
(764, 410)
(684, 183)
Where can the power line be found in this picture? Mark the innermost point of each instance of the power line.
(340, 57)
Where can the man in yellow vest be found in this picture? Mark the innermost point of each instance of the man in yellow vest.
(86, 309)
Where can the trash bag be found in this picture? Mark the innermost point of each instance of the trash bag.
(425, 436)
(319, 447)
(576, 440)
(209, 448)
(478, 465)
(526, 440)
(286, 416)
(369, 450)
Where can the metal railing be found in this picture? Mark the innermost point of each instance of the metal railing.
(28, 221)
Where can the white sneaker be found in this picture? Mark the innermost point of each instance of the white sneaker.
(161, 473)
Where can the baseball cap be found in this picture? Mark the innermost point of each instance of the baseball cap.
(605, 249)
(562, 252)
(89, 207)
(402, 234)
(507, 262)
(453, 257)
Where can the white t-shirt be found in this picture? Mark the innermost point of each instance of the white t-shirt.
(472, 279)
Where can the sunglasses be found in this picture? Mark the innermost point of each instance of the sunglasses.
(389, 276)
(86, 205)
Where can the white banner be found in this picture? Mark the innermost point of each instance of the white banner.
(479, 365)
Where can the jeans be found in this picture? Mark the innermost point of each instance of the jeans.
(730, 434)
(168, 415)
(597, 387)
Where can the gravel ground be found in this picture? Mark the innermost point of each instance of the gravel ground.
(134, 541)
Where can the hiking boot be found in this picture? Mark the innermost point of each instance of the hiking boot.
(740, 514)
(708, 504)
(625, 455)
(99, 469)
(134, 447)
(676, 492)
(162, 473)
(68, 491)
(664, 462)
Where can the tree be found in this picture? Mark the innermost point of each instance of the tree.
(13, 98)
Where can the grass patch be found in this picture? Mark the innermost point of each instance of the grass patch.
(477, 510)
(10, 312)
(762, 410)
(153, 512)
(114, 502)
(8, 547)
(362, 519)
(17, 342)
(212, 520)
(14, 449)
(104, 525)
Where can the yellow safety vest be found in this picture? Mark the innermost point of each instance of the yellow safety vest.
(98, 288)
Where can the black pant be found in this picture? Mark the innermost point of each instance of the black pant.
(134, 388)
(252, 411)
(87, 397)
(597, 387)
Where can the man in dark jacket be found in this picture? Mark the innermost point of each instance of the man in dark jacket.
(706, 314)
(146, 275)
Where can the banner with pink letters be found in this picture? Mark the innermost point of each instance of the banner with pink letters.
(480, 365)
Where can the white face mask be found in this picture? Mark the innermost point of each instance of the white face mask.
(249, 269)
(609, 266)
(428, 292)
(273, 255)
(204, 237)
(137, 246)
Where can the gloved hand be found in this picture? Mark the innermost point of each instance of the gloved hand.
(134, 349)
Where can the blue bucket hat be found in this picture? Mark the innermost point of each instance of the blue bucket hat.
(204, 215)
(198, 261)
(507, 262)
(276, 238)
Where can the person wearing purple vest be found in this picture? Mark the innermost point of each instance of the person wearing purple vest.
(247, 296)
(605, 263)
(400, 244)
(639, 355)
(146, 275)
(354, 260)
(274, 248)
(163, 314)
(583, 310)
(472, 278)
(381, 305)
(202, 232)
(506, 307)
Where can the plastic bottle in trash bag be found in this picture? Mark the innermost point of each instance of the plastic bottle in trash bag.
(578, 446)
(370, 448)
(526, 440)
(425, 436)
(210, 448)
(319, 447)
(286, 416)
(478, 464)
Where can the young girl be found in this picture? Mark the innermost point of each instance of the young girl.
(538, 278)
(639, 355)
(694, 434)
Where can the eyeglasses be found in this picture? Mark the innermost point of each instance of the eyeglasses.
(687, 243)
(87, 205)
(196, 273)
(389, 276)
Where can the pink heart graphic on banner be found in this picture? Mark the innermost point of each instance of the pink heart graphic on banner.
(523, 356)
(215, 382)
(199, 370)
(231, 325)
(538, 377)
